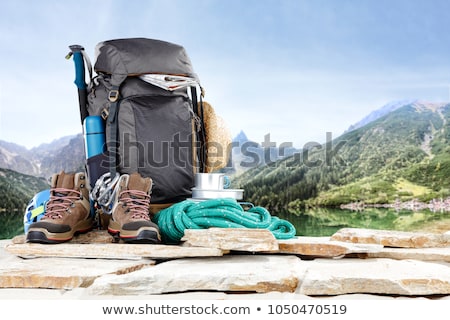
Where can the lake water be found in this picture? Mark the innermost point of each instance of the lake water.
(318, 222)
(11, 224)
(325, 222)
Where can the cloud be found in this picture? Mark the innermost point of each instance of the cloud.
(294, 69)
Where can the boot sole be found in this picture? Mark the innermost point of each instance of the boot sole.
(148, 235)
(41, 235)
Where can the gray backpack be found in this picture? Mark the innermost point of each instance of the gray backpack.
(150, 100)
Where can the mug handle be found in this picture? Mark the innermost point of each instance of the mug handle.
(226, 182)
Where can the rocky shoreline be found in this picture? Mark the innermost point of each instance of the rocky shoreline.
(435, 205)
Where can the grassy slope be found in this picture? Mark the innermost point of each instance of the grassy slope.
(404, 155)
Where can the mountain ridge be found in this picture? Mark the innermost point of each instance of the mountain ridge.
(403, 154)
(65, 153)
(366, 164)
(50, 157)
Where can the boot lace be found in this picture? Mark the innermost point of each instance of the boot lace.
(137, 202)
(60, 200)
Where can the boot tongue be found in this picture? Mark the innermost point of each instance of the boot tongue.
(136, 182)
(65, 181)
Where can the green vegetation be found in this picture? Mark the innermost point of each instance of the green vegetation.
(16, 191)
(401, 156)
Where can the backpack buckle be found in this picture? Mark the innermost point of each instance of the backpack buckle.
(104, 114)
(113, 95)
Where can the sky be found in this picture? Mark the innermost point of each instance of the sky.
(293, 70)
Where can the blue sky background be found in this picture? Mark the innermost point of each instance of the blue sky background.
(294, 69)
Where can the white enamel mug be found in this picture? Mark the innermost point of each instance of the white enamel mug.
(211, 181)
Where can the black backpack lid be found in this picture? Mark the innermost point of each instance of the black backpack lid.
(136, 56)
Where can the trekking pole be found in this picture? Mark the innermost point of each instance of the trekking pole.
(77, 52)
(79, 58)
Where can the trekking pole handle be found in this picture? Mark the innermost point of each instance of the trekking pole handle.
(76, 52)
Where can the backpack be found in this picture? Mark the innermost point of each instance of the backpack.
(149, 102)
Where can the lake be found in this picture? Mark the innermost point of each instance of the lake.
(11, 224)
(325, 221)
(317, 222)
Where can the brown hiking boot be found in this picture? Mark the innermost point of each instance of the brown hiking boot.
(130, 214)
(67, 211)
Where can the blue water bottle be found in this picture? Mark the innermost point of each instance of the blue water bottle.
(94, 145)
(94, 136)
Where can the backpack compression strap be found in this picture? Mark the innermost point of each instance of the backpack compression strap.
(113, 97)
(201, 134)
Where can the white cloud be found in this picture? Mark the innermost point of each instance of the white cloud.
(293, 69)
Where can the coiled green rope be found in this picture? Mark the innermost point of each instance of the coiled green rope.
(220, 213)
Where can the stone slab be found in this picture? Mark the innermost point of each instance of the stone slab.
(388, 238)
(423, 254)
(56, 273)
(232, 273)
(375, 276)
(94, 236)
(275, 273)
(109, 251)
(384, 271)
(324, 247)
(236, 239)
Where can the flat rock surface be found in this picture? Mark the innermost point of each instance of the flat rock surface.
(109, 251)
(254, 273)
(376, 276)
(424, 254)
(384, 264)
(324, 247)
(250, 240)
(56, 273)
(390, 238)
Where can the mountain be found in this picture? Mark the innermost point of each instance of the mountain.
(23, 173)
(247, 153)
(376, 114)
(16, 157)
(45, 149)
(240, 138)
(66, 153)
(402, 155)
(68, 157)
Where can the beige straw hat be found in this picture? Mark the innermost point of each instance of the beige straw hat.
(218, 139)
